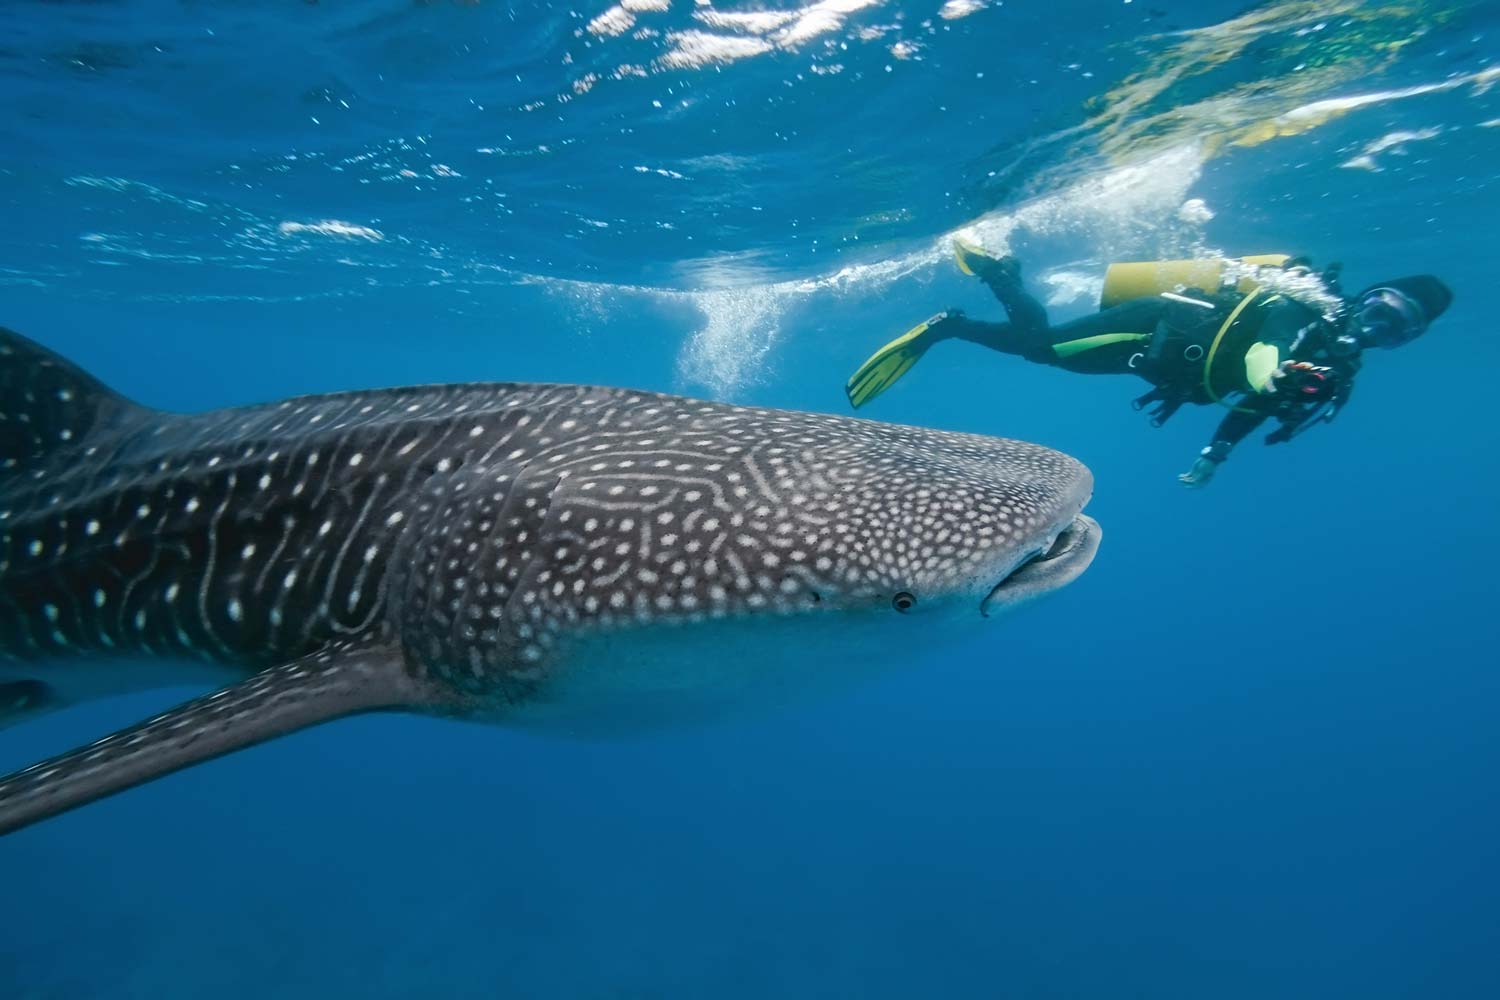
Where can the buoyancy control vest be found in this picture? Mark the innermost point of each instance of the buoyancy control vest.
(1214, 315)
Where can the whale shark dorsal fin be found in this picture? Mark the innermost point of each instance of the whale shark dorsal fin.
(337, 681)
(47, 403)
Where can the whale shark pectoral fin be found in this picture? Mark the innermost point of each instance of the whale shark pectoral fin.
(25, 698)
(336, 681)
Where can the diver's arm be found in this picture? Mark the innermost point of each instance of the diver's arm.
(1233, 429)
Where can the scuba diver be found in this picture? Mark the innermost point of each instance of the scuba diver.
(1200, 331)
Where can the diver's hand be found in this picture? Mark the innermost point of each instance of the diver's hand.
(1270, 387)
(1300, 378)
(1198, 476)
(1206, 465)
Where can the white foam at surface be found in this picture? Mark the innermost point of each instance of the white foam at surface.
(692, 49)
(621, 17)
(783, 29)
(660, 171)
(332, 227)
(955, 9)
(819, 19)
(615, 21)
(1318, 111)
(756, 22)
(1391, 141)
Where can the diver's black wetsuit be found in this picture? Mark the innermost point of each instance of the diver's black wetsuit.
(1117, 341)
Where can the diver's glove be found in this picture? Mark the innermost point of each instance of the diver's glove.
(1206, 464)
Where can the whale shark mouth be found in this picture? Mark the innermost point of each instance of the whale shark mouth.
(1059, 564)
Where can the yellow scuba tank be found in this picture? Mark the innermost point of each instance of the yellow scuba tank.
(1141, 279)
(1138, 279)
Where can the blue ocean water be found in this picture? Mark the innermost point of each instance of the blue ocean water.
(1250, 753)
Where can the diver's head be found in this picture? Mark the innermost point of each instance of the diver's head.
(1396, 312)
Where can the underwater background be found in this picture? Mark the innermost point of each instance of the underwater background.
(1251, 753)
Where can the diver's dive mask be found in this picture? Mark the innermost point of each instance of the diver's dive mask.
(1384, 317)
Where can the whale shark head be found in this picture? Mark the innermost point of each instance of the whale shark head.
(773, 534)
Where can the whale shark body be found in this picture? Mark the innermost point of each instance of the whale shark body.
(576, 557)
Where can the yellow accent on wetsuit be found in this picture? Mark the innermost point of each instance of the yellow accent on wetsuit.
(1261, 362)
(1068, 348)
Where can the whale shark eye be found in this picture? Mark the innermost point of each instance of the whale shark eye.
(903, 602)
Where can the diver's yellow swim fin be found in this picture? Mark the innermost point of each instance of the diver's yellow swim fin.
(889, 363)
(970, 255)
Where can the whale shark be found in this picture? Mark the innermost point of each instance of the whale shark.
(586, 559)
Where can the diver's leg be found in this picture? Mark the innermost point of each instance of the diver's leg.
(1112, 342)
(1086, 345)
(1002, 276)
(1104, 343)
(1007, 338)
(1004, 282)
